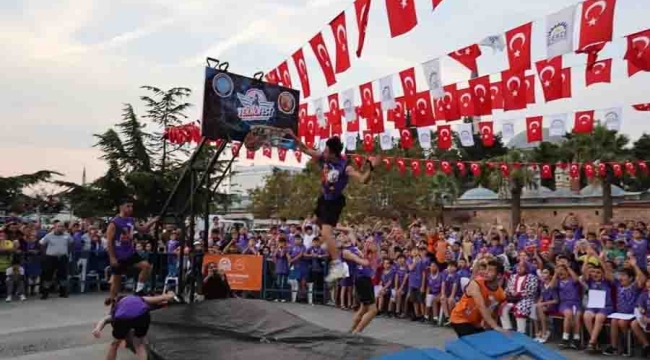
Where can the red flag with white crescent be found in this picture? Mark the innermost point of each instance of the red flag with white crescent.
(466, 102)
(600, 72)
(401, 165)
(406, 138)
(358, 160)
(407, 78)
(402, 17)
(250, 154)
(518, 43)
(444, 137)
(467, 56)
(505, 170)
(302, 119)
(340, 33)
(530, 89)
(602, 170)
(617, 169)
(387, 162)
(642, 107)
(282, 154)
(449, 102)
(422, 112)
(596, 27)
(273, 76)
(415, 167)
(534, 128)
(566, 83)
(398, 113)
(362, 9)
(235, 148)
(368, 141)
(367, 106)
(550, 76)
(298, 154)
(446, 168)
(487, 133)
(323, 56)
(496, 95)
(482, 98)
(574, 171)
(643, 167)
(546, 172)
(584, 122)
(430, 167)
(638, 52)
(630, 168)
(335, 113)
(266, 151)
(514, 90)
(590, 172)
(285, 77)
(301, 67)
(461, 168)
(375, 122)
(475, 168)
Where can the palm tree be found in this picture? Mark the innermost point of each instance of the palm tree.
(601, 146)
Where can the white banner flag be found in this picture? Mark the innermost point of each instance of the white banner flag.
(507, 129)
(559, 32)
(613, 118)
(557, 126)
(347, 105)
(351, 141)
(424, 137)
(319, 110)
(387, 93)
(495, 42)
(386, 141)
(464, 131)
(434, 77)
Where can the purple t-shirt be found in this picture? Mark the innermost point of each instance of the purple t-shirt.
(316, 262)
(388, 278)
(496, 250)
(281, 262)
(415, 275)
(605, 286)
(568, 291)
(449, 281)
(549, 293)
(334, 177)
(130, 307)
(434, 283)
(640, 250)
(401, 273)
(242, 242)
(626, 298)
(123, 248)
(295, 251)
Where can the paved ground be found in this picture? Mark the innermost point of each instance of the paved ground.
(60, 329)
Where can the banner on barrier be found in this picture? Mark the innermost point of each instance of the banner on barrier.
(244, 272)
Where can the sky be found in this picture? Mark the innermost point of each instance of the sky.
(68, 66)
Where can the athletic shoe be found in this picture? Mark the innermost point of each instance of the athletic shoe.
(336, 271)
(22, 298)
(565, 344)
(591, 349)
(646, 351)
(545, 337)
(574, 344)
(8, 299)
(610, 351)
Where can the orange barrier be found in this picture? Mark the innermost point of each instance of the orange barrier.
(244, 272)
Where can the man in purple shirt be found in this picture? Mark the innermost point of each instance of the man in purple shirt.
(121, 249)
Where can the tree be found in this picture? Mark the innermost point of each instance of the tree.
(549, 153)
(12, 189)
(601, 146)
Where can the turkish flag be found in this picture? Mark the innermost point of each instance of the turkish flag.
(335, 111)
(430, 167)
(397, 114)
(487, 133)
(362, 9)
(643, 167)
(324, 131)
(505, 170)
(339, 30)
(298, 154)
(302, 119)
(444, 137)
(406, 139)
(387, 162)
(584, 122)
(546, 172)
(250, 154)
(273, 76)
(368, 141)
(534, 128)
(415, 167)
(282, 154)
(638, 52)
(630, 168)
(301, 67)
(436, 3)
(590, 172)
(401, 165)
(422, 114)
(358, 160)
(320, 50)
(446, 168)
(337, 129)
(574, 171)
(496, 95)
(466, 102)
(285, 77)
(599, 72)
(518, 41)
(602, 170)
(353, 126)
(375, 122)
(461, 168)
(475, 168)
(266, 151)
(312, 124)
(401, 16)
(596, 27)
(447, 106)
(481, 91)
(367, 100)
(617, 168)
(514, 90)
(235, 148)
(467, 56)
(566, 83)
(530, 89)
(550, 76)
(642, 107)
(407, 78)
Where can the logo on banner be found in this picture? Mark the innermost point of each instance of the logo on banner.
(225, 264)
(286, 103)
(558, 33)
(222, 85)
(255, 106)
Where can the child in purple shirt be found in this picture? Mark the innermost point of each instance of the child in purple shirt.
(640, 324)
(387, 284)
(449, 288)
(281, 257)
(434, 281)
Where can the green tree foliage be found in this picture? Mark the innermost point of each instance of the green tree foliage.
(12, 196)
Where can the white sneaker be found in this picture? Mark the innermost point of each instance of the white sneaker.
(8, 299)
(23, 298)
(336, 271)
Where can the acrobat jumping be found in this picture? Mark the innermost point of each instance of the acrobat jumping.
(336, 171)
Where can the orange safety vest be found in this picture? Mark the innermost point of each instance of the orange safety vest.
(466, 310)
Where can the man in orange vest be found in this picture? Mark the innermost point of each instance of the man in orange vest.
(481, 299)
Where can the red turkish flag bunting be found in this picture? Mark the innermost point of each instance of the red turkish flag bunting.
(397, 114)
(368, 141)
(475, 168)
(461, 168)
(250, 154)
(367, 100)
(643, 167)
(617, 169)
(422, 114)
(446, 168)
(466, 102)
(574, 171)
(302, 120)
(430, 167)
(401, 165)
(436, 3)
(486, 129)
(467, 56)
(514, 90)
(301, 67)
(602, 170)
(235, 148)
(375, 122)
(401, 16)
(518, 42)
(362, 9)
(596, 27)
(323, 56)
(406, 139)
(285, 77)
(415, 167)
(566, 83)
(584, 122)
(550, 76)
(642, 107)
(444, 137)
(600, 72)
(482, 98)
(298, 154)
(272, 76)
(630, 168)
(324, 131)
(337, 129)
(447, 106)
(340, 32)
(496, 95)
(407, 78)
(638, 52)
(530, 89)
(590, 172)
(353, 126)
(505, 170)
(335, 111)
(266, 151)
(358, 160)
(312, 125)
(387, 162)
(546, 172)
(534, 128)
(282, 154)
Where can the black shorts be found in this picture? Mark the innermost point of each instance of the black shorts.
(466, 329)
(415, 295)
(123, 266)
(365, 290)
(328, 212)
(139, 325)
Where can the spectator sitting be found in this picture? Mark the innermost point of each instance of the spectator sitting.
(215, 284)
(520, 296)
(15, 280)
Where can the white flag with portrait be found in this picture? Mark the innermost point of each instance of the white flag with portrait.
(434, 77)
(495, 42)
(557, 126)
(613, 118)
(465, 134)
(386, 141)
(319, 110)
(347, 105)
(559, 32)
(424, 137)
(507, 129)
(387, 93)
(351, 140)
